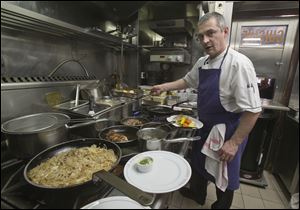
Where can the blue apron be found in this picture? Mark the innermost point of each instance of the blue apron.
(211, 112)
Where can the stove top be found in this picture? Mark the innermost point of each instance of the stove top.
(16, 193)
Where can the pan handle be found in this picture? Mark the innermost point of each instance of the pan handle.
(131, 191)
(92, 121)
(169, 141)
(181, 102)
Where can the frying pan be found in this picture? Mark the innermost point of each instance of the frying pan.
(128, 131)
(141, 119)
(163, 110)
(121, 185)
(66, 146)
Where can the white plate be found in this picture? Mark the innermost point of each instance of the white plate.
(174, 117)
(115, 202)
(169, 173)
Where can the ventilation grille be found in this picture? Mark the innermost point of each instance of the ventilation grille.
(45, 79)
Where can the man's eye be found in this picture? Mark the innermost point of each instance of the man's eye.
(210, 33)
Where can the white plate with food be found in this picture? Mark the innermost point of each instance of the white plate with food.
(169, 172)
(184, 121)
(115, 202)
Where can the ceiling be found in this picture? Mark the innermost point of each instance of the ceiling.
(119, 11)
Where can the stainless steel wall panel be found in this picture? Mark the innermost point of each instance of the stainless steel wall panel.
(18, 102)
(265, 58)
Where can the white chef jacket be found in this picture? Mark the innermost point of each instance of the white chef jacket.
(238, 82)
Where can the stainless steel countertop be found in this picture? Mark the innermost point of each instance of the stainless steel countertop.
(274, 105)
(265, 103)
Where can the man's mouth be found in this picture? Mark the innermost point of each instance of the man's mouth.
(208, 47)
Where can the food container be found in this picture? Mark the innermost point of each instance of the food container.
(144, 164)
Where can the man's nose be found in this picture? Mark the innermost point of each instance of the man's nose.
(205, 39)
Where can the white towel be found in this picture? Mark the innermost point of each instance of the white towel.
(213, 164)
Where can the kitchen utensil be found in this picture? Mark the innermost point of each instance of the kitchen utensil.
(162, 109)
(129, 190)
(121, 185)
(115, 202)
(77, 94)
(66, 146)
(133, 120)
(70, 105)
(170, 172)
(30, 134)
(128, 131)
(91, 106)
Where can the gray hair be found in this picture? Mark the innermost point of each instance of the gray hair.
(219, 18)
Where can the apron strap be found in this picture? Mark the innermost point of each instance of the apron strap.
(224, 57)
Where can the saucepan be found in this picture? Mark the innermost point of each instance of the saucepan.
(30, 134)
(157, 139)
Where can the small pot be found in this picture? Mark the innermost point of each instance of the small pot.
(156, 139)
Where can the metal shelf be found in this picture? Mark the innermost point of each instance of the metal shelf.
(15, 17)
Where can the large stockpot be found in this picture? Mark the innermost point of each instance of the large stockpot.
(157, 139)
(30, 134)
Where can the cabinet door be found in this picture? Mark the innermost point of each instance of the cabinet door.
(288, 158)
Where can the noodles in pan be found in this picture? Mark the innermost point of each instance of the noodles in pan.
(73, 167)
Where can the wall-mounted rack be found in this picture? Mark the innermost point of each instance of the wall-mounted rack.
(8, 83)
(15, 17)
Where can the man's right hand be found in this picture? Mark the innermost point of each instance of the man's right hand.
(157, 90)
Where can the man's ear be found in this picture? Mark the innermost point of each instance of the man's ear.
(226, 30)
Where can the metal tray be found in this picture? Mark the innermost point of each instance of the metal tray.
(70, 105)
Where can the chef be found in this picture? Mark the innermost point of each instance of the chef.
(227, 93)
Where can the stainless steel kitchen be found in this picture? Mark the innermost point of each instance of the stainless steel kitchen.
(149, 104)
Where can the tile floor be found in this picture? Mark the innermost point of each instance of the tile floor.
(247, 197)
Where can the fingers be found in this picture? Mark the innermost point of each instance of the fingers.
(225, 157)
(156, 90)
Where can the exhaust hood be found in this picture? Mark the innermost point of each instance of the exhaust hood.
(167, 27)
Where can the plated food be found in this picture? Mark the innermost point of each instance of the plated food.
(185, 121)
(72, 167)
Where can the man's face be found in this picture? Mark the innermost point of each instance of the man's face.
(212, 38)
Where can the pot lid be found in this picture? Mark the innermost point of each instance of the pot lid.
(34, 123)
